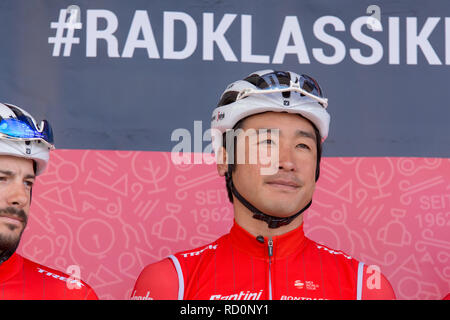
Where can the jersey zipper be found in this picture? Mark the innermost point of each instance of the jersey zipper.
(270, 249)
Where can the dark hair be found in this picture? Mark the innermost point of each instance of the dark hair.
(232, 166)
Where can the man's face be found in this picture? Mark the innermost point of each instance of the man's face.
(16, 179)
(287, 190)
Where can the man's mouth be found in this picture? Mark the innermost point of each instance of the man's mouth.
(284, 184)
(13, 216)
(13, 221)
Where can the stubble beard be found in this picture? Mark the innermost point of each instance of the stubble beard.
(9, 243)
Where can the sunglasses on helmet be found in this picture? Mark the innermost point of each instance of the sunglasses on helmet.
(24, 128)
(281, 82)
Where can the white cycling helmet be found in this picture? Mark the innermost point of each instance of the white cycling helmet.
(20, 136)
(269, 90)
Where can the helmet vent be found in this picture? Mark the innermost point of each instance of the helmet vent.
(227, 98)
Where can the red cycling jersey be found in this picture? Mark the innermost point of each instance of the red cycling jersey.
(23, 279)
(239, 266)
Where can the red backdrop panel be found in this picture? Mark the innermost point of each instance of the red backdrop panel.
(112, 213)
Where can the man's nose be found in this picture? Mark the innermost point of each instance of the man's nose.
(18, 195)
(286, 157)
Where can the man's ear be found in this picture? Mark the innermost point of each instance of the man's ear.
(222, 164)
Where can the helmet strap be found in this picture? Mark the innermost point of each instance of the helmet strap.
(272, 222)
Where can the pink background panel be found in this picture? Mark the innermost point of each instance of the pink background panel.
(112, 213)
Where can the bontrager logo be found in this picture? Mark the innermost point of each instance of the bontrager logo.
(300, 298)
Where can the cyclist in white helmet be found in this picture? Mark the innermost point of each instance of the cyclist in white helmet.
(266, 254)
(24, 154)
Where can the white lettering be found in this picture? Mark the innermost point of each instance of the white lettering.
(197, 310)
(101, 27)
(394, 40)
(93, 34)
(242, 295)
(246, 42)
(338, 45)
(414, 40)
(140, 22)
(196, 253)
(375, 45)
(198, 142)
(333, 251)
(146, 297)
(447, 41)
(300, 298)
(181, 151)
(291, 27)
(78, 283)
(211, 36)
(374, 280)
(169, 35)
(245, 309)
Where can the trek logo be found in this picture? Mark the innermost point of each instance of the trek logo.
(310, 285)
(334, 251)
(299, 284)
(196, 253)
(77, 283)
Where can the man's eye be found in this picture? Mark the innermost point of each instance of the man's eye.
(303, 146)
(268, 141)
(29, 184)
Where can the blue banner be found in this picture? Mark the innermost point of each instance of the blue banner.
(123, 75)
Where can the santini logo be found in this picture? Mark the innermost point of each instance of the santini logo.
(243, 295)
